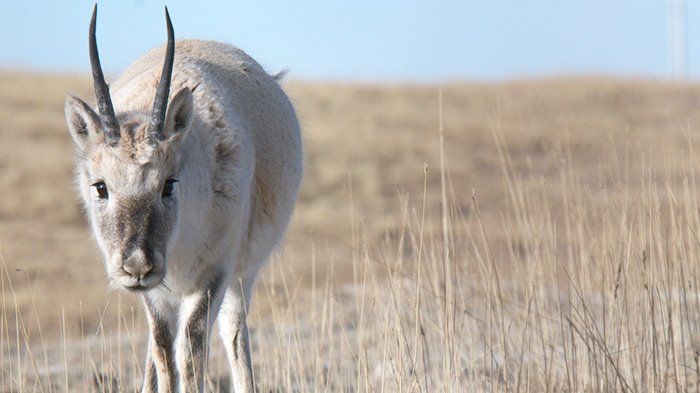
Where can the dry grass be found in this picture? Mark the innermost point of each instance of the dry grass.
(558, 253)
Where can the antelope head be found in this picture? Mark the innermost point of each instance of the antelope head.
(128, 167)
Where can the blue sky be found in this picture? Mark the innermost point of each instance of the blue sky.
(362, 40)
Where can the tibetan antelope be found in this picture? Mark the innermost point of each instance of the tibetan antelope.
(187, 194)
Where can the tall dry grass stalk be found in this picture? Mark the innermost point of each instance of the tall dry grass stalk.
(565, 294)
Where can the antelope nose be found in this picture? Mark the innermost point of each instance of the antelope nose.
(136, 264)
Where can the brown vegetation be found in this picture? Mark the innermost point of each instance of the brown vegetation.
(567, 258)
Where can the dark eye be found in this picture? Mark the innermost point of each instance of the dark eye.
(101, 189)
(168, 188)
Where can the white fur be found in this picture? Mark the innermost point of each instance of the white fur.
(231, 213)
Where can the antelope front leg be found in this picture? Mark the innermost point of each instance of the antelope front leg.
(234, 333)
(197, 316)
(160, 376)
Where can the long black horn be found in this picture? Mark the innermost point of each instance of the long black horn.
(110, 126)
(160, 104)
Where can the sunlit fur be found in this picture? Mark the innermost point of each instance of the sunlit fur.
(232, 142)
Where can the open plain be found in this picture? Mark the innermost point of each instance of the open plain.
(519, 236)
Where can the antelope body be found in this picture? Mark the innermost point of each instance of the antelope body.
(188, 194)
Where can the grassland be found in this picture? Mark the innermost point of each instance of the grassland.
(545, 241)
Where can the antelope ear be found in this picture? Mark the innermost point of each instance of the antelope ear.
(179, 116)
(83, 123)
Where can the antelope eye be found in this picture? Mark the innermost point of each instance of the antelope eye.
(168, 188)
(101, 189)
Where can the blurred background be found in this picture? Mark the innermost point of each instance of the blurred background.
(569, 131)
(535, 77)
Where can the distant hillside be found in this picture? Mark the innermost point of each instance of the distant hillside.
(366, 148)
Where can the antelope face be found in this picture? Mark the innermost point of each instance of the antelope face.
(131, 188)
(128, 172)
